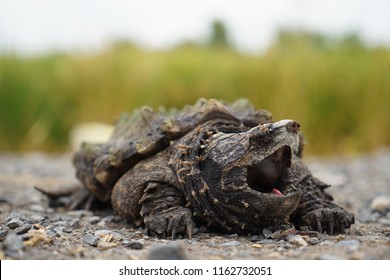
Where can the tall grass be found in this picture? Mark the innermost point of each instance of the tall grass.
(339, 92)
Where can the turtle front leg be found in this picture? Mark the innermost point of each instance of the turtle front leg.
(164, 212)
(317, 211)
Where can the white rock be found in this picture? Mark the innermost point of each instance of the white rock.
(298, 240)
(381, 203)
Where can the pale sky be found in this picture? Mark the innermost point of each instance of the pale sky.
(36, 26)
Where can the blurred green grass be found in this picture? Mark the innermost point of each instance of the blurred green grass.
(338, 90)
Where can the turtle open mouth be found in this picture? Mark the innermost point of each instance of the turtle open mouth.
(266, 176)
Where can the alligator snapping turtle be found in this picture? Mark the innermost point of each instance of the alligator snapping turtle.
(223, 165)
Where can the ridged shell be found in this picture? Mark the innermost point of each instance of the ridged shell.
(145, 132)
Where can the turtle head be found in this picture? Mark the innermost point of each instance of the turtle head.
(249, 172)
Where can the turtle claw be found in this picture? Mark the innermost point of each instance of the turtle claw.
(190, 230)
(173, 235)
(170, 222)
(72, 197)
(329, 220)
(342, 230)
(319, 227)
(330, 228)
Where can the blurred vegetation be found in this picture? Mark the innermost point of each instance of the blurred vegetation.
(219, 37)
(338, 89)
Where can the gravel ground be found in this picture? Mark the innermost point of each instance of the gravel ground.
(30, 229)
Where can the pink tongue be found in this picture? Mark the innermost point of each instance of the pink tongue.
(277, 192)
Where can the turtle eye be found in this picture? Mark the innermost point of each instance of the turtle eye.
(260, 136)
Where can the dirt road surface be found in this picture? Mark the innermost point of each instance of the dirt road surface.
(30, 229)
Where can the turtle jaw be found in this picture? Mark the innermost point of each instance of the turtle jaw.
(270, 207)
(266, 176)
(269, 195)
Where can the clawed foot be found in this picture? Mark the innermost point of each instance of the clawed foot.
(170, 222)
(72, 197)
(330, 220)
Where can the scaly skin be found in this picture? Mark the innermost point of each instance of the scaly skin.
(222, 165)
(207, 183)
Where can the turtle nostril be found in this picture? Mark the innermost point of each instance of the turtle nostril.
(293, 126)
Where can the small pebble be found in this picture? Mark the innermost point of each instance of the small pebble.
(306, 238)
(55, 218)
(23, 229)
(133, 244)
(51, 232)
(91, 239)
(14, 215)
(75, 223)
(14, 223)
(33, 219)
(289, 237)
(59, 230)
(313, 241)
(267, 233)
(13, 242)
(298, 241)
(68, 230)
(118, 235)
(94, 220)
